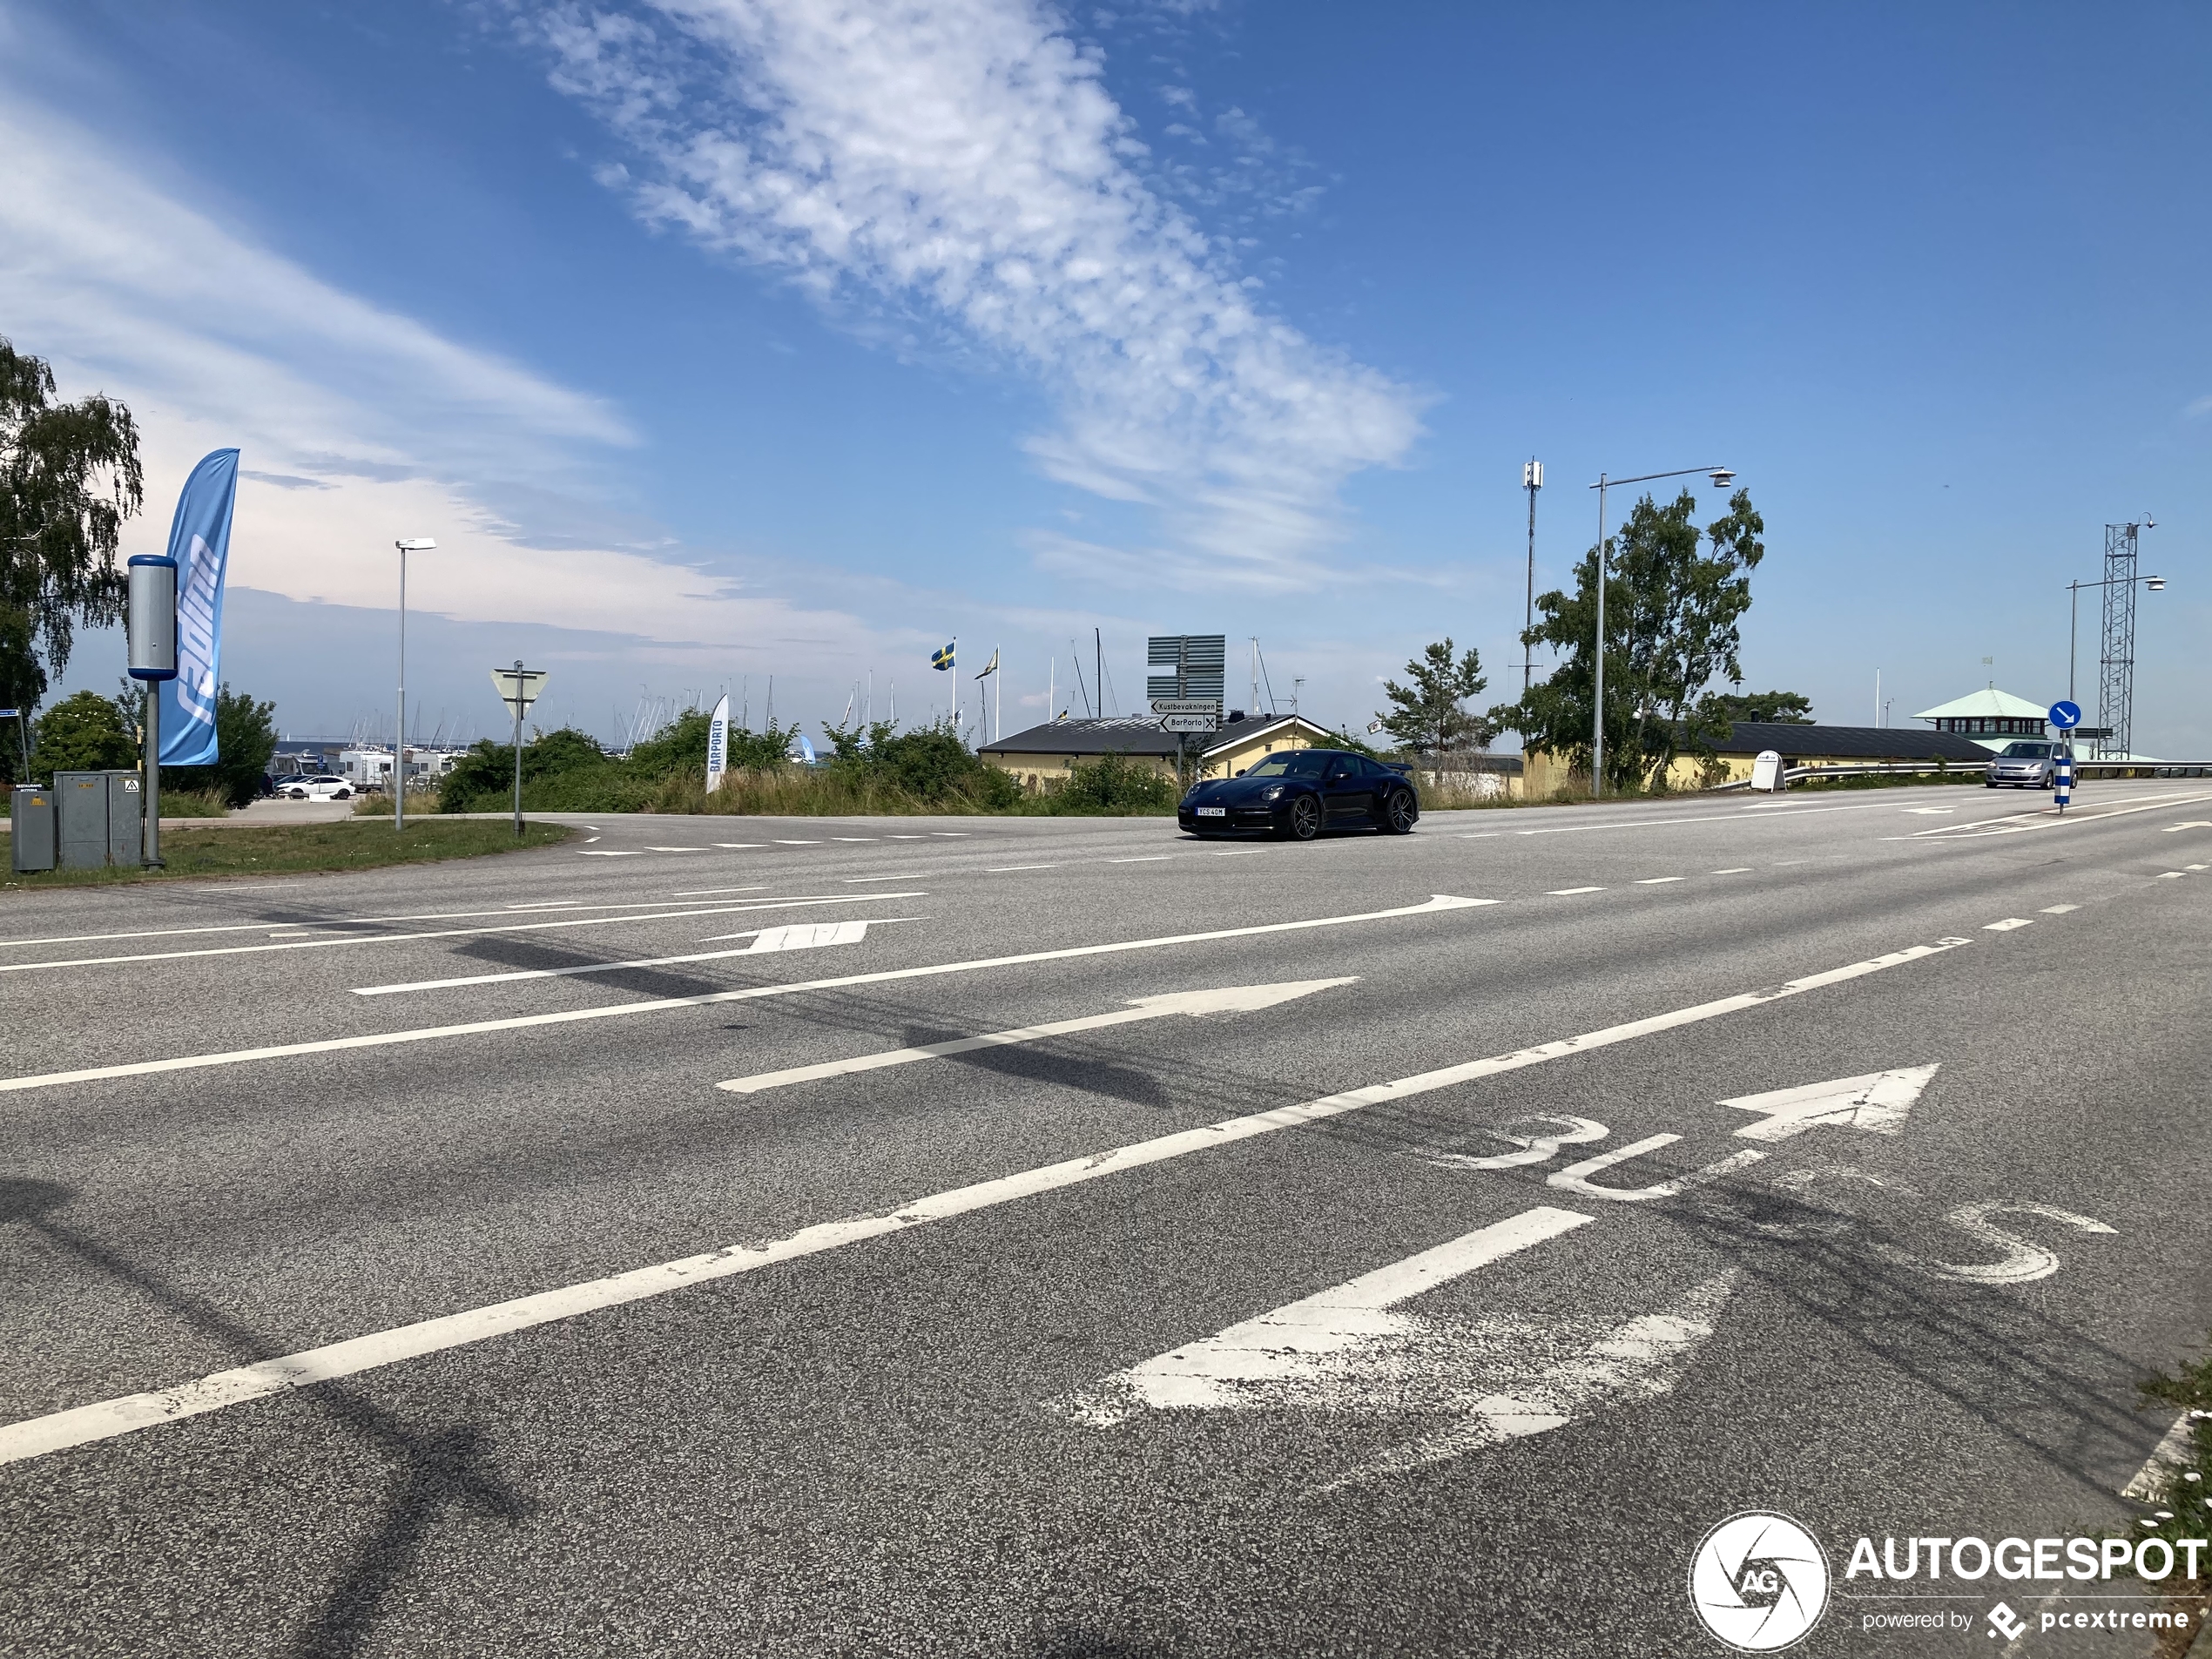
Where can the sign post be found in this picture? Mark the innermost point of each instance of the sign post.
(2067, 716)
(152, 638)
(518, 688)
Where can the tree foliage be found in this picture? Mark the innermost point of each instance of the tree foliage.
(1430, 717)
(1775, 708)
(929, 763)
(68, 478)
(1674, 600)
(82, 733)
(245, 739)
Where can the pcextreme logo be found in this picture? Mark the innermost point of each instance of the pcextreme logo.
(1759, 1582)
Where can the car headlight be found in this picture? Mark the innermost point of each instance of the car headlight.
(1273, 792)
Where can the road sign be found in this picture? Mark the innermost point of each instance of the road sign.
(1186, 705)
(1188, 723)
(2066, 716)
(519, 686)
(1186, 665)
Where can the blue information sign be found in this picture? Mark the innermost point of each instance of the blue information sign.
(2066, 716)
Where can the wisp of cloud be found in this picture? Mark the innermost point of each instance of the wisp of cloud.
(962, 159)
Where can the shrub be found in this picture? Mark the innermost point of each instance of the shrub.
(1114, 783)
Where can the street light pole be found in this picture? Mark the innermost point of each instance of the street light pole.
(420, 545)
(1531, 479)
(1722, 477)
(2155, 583)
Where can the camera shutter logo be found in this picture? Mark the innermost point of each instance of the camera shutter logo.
(1759, 1582)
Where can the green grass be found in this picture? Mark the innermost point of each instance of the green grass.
(301, 848)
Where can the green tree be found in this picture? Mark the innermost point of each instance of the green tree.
(1673, 617)
(1430, 716)
(1778, 708)
(245, 740)
(82, 733)
(68, 478)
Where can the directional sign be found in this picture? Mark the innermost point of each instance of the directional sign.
(1191, 723)
(2066, 716)
(1186, 705)
(519, 686)
(1878, 1102)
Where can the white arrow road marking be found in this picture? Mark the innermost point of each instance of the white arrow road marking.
(825, 928)
(1878, 1102)
(2194, 823)
(1230, 1000)
(1436, 903)
(1344, 1351)
(34, 1437)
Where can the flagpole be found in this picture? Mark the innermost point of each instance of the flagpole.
(998, 730)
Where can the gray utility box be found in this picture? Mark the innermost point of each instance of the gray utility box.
(97, 820)
(30, 824)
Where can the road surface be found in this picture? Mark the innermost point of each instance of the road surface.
(1059, 1237)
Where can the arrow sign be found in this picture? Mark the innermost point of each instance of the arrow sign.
(1345, 1350)
(1235, 999)
(1878, 1102)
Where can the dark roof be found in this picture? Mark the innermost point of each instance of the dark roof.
(1848, 742)
(1133, 734)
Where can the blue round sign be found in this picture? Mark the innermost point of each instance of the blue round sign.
(2065, 715)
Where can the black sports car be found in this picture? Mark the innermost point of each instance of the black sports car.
(1298, 792)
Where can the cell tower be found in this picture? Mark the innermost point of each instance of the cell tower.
(2116, 667)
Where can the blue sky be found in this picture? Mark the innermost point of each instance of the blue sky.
(728, 338)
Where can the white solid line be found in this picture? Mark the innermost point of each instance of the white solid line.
(1007, 869)
(1658, 881)
(1150, 858)
(2040, 819)
(853, 838)
(2170, 875)
(608, 852)
(1665, 823)
(741, 846)
(319, 921)
(441, 933)
(1236, 999)
(613, 968)
(1740, 869)
(675, 849)
(2060, 909)
(908, 876)
(106, 1420)
(951, 835)
(784, 843)
(1240, 852)
(1564, 892)
(1437, 902)
(907, 838)
(2192, 867)
(2007, 925)
(710, 893)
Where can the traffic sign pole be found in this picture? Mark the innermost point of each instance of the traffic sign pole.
(2066, 716)
(518, 688)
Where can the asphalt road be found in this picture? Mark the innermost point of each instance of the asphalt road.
(471, 1317)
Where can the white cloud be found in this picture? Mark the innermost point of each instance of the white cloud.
(962, 161)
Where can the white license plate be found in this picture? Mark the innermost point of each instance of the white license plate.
(1213, 811)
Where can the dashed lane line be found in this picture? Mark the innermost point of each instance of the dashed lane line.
(1435, 904)
(1740, 869)
(1659, 880)
(109, 1418)
(1565, 893)
(2060, 909)
(2007, 925)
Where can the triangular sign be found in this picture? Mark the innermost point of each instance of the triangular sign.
(1878, 1102)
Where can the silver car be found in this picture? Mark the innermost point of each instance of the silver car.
(2032, 763)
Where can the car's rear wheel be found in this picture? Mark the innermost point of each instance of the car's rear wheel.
(1399, 811)
(1301, 822)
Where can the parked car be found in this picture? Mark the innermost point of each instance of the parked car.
(1297, 793)
(321, 785)
(2032, 763)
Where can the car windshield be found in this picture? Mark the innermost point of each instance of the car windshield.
(2028, 751)
(1292, 763)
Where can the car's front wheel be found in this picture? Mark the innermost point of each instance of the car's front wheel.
(1302, 821)
(341, 794)
(1400, 812)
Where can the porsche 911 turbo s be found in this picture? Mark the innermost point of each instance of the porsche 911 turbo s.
(1298, 792)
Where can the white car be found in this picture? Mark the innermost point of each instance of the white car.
(323, 785)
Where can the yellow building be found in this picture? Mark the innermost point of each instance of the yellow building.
(1544, 774)
(1044, 754)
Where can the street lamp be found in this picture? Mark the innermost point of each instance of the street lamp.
(419, 545)
(2155, 583)
(1722, 477)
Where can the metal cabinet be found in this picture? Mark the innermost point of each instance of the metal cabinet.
(30, 824)
(98, 819)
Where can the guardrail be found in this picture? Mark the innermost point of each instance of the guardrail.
(2083, 771)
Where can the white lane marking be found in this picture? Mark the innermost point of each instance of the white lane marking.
(2170, 875)
(1437, 903)
(907, 838)
(536, 925)
(1932, 812)
(1240, 852)
(2169, 1456)
(1345, 1351)
(951, 835)
(711, 892)
(569, 904)
(1739, 869)
(784, 843)
(1659, 880)
(1878, 1102)
(609, 853)
(2007, 925)
(616, 967)
(907, 876)
(588, 839)
(2060, 909)
(1535, 1148)
(1009, 869)
(1778, 863)
(2194, 823)
(675, 849)
(1238, 998)
(741, 846)
(853, 838)
(2043, 819)
(804, 935)
(2193, 867)
(1791, 811)
(1576, 1178)
(1564, 892)
(1150, 858)
(36, 1436)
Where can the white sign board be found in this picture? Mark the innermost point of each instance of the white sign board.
(519, 686)
(1189, 723)
(1186, 705)
(1766, 773)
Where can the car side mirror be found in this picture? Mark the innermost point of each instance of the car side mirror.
(1240, 771)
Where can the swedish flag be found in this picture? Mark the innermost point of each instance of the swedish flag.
(942, 660)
